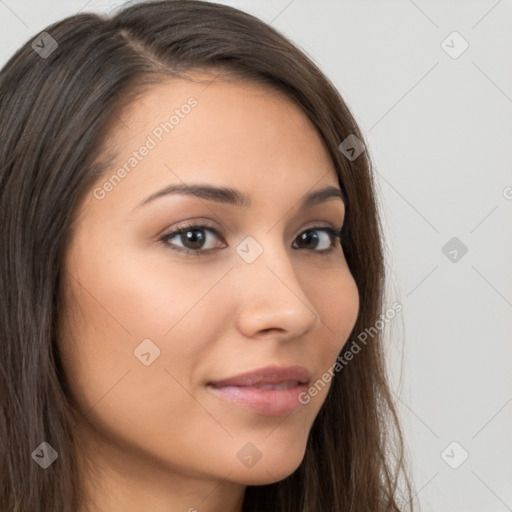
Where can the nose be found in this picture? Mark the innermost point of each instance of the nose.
(272, 300)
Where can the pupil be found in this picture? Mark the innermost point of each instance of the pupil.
(194, 239)
(308, 236)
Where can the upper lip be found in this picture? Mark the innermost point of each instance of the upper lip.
(267, 375)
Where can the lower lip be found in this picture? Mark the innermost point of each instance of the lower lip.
(270, 402)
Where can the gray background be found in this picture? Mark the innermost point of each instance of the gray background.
(439, 129)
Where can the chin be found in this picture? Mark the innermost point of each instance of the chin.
(267, 472)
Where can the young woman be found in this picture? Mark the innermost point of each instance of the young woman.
(190, 262)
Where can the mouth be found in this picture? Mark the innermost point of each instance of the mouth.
(270, 391)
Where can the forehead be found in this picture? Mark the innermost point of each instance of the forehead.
(242, 115)
(233, 133)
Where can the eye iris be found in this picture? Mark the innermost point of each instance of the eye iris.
(307, 236)
(195, 239)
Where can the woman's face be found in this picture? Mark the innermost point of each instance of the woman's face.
(150, 328)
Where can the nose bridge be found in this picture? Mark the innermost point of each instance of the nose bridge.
(271, 294)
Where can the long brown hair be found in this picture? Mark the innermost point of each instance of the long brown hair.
(56, 109)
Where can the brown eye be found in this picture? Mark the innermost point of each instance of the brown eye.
(193, 238)
(312, 240)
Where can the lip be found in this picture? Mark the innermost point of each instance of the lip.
(253, 390)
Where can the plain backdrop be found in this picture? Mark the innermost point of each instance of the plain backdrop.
(430, 84)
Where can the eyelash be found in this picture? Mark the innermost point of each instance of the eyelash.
(333, 233)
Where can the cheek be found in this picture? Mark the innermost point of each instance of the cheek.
(124, 327)
(337, 302)
(138, 404)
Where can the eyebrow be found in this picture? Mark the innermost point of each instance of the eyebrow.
(234, 197)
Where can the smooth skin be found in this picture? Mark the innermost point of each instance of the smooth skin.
(158, 437)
